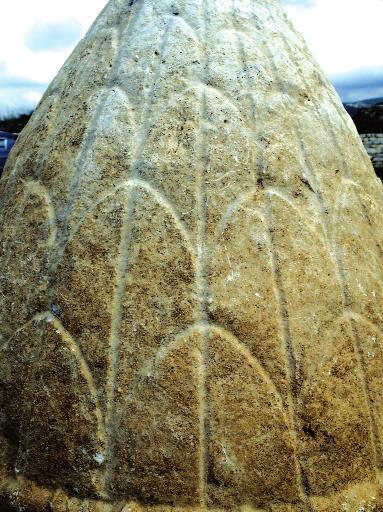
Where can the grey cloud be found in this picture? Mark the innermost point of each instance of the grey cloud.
(15, 92)
(54, 36)
(359, 84)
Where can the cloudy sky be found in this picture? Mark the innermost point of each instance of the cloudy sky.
(346, 36)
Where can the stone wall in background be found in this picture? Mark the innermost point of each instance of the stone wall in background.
(373, 142)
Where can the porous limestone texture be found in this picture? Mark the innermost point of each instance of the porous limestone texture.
(191, 276)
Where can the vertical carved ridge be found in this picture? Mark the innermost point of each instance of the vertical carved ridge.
(34, 187)
(242, 54)
(363, 367)
(345, 168)
(114, 341)
(282, 302)
(83, 156)
(203, 416)
(201, 274)
(123, 264)
(288, 348)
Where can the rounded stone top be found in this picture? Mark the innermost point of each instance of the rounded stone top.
(191, 288)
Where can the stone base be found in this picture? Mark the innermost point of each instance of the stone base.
(19, 494)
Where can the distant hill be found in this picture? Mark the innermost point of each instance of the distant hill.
(371, 102)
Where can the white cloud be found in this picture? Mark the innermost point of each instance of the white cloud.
(19, 61)
(344, 35)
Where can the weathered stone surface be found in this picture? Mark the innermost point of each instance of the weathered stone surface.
(191, 298)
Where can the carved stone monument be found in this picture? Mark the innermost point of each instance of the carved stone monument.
(191, 294)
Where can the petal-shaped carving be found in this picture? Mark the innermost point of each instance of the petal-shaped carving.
(77, 116)
(109, 158)
(251, 446)
(83, 294)
(242, 289)
(162, 459)
(168, 151)
(226, 50)
(156, 299)
(229, 168)
(178, 77)
(28, 231)
(142, 78)
(87, 67)
(341, 150)
(169, 127)
(360, 250)
(185, 363)
(312, 297)
(335, 418)
(354, 164)
(64, 433)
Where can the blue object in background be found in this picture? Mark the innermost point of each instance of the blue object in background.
(7, 140)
